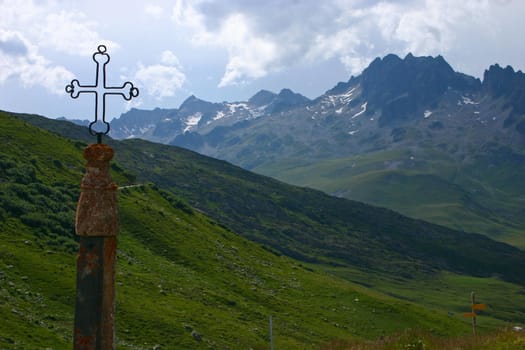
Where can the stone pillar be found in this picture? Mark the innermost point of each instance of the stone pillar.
(97, 224)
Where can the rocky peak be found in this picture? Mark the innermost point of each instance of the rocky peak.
(503, 81)
(191, 101)
(401, 86)
(393, 75)
(285, 100)
(291, 97)
(262, 98)
(193, 104)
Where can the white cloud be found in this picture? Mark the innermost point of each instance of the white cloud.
(262, 37)
(161, 80)
(72, 33)
(355, 64)
(186, 15)
(38, 71)
(29, 29)
(250, 56)
(154, 10)
(168, 57)
(20, 60)
(46, 25)
(266, 37)
(431, 27)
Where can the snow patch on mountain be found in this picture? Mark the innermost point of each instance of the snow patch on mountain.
(131, 133)
(193, 120)
(347, 96)
(466, 100)
(335, 100)
(219, 115)
(363, 110)
(147, 128)
(257, 112)
(234, 106)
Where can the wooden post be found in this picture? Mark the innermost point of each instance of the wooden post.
(473, 300)
(97, 225)
(271, 333)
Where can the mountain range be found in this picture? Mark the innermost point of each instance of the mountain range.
(390, 93)
(410, 134)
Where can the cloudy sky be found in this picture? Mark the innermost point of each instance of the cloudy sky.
(227, 50)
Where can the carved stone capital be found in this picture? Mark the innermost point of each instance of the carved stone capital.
(97, 209)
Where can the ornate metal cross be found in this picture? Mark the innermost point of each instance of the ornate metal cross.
(128, 91)
(97, 223)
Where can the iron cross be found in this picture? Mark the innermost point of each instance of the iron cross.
(100, 89)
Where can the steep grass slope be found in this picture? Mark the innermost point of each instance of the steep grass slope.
(183, 280)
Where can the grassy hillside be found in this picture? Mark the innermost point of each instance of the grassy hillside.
(307, 224)
(183, 266)
(480, 194)
(179, 272)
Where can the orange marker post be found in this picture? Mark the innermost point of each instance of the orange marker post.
(479, 306)
(473, 313)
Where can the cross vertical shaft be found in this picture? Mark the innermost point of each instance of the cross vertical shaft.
(101, 58)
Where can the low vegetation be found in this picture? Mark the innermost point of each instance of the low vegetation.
(419, 340)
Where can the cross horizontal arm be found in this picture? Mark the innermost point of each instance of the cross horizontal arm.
(128, 91)
(75, 89)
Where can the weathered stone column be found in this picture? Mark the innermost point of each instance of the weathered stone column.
(97, 224)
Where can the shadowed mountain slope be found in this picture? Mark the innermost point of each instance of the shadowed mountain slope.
(310, 225)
